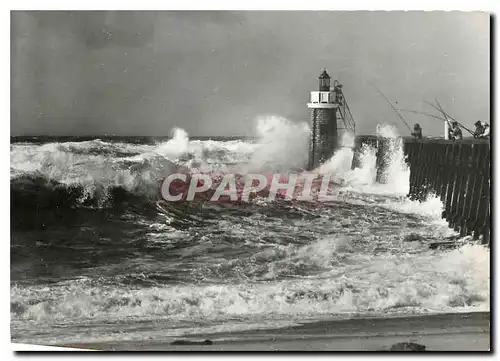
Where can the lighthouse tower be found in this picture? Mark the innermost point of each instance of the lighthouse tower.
(323, 106)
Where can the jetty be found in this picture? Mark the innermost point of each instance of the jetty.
(456, 171)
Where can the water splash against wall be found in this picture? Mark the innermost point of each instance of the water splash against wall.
(396, 172)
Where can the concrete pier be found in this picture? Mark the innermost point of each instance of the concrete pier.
(456, 171)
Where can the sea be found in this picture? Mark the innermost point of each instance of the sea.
(94, 260)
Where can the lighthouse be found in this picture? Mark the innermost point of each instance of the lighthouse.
(323, 105)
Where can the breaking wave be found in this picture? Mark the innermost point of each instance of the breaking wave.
(268, 264)
(93, 173)
(357, 284)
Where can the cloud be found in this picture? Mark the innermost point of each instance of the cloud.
(214, 72)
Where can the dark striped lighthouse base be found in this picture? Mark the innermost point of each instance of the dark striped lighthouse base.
(324, 135)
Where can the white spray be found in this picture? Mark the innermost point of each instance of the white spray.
(282, 144)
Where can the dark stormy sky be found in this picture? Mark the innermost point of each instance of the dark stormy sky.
(214, 73)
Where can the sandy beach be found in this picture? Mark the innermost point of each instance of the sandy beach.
(446, 332)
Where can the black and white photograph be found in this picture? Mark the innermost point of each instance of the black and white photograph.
(250, 180)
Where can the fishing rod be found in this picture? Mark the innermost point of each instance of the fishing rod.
(449, 116)
(445, 115)
(422, 113)
(439, 110)
(442, 111)
(467, 129)
(432, 116)
(392, 106)
(450, 126)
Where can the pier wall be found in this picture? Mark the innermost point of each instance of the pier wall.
(458, 172)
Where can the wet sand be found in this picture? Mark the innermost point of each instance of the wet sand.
(446, 332)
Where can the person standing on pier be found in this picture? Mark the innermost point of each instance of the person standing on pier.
(455, 131)
(478, 133)
(417, 131)
(486, 132)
